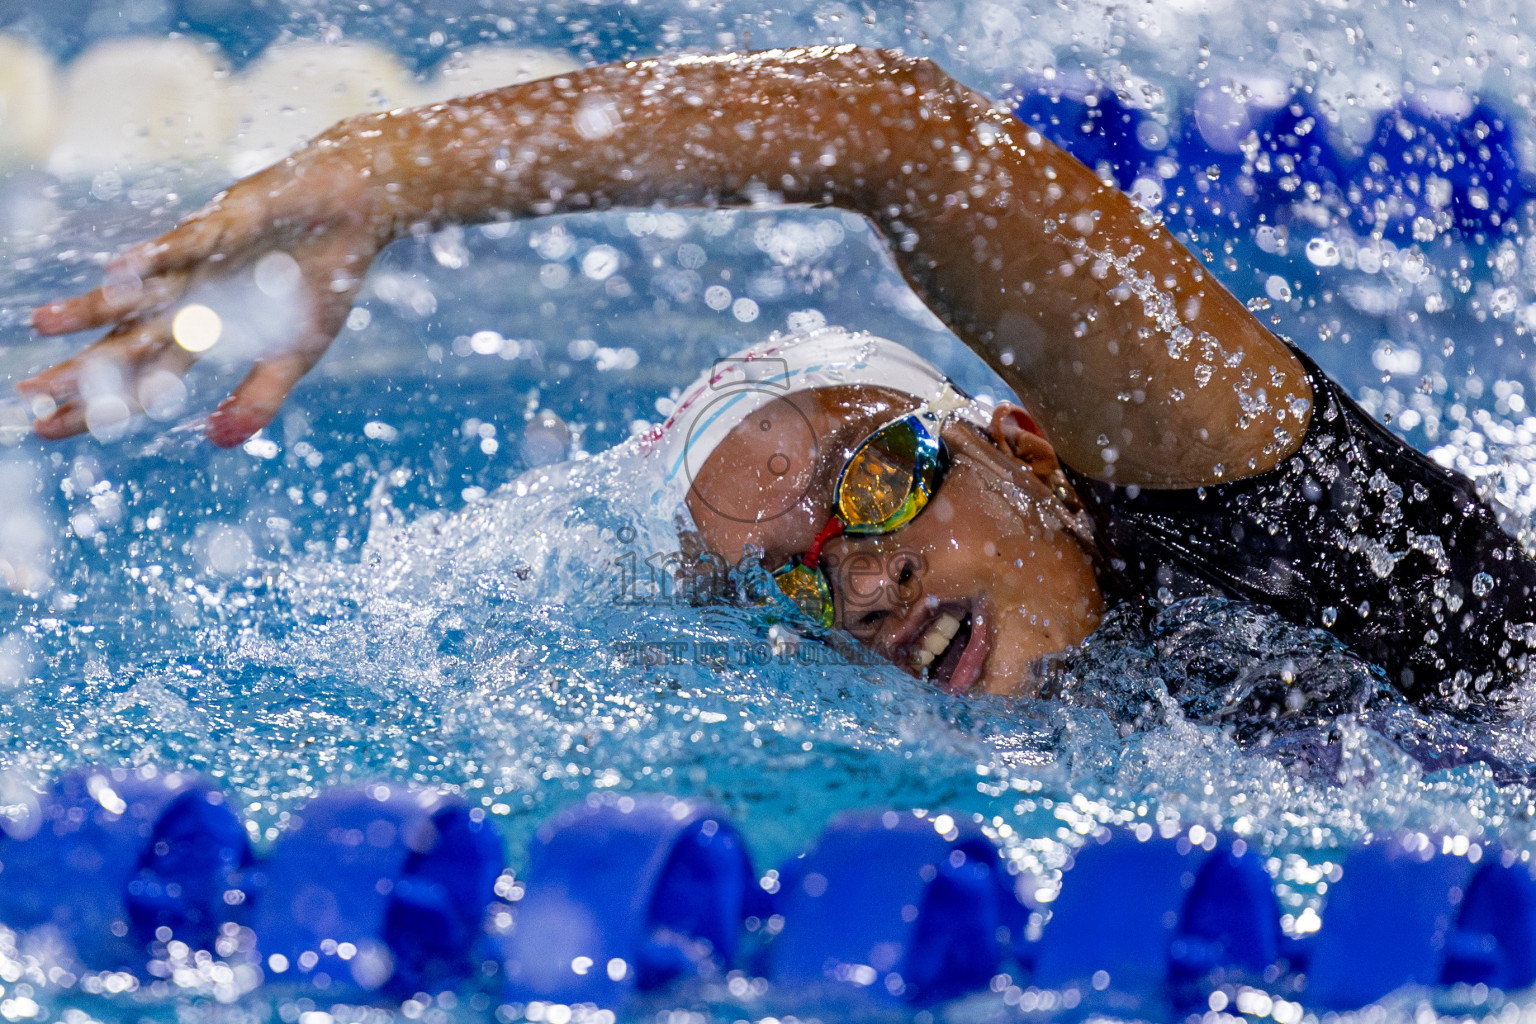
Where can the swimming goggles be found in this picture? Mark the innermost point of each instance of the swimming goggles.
(890, 477)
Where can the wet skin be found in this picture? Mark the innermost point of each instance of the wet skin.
(992, 550)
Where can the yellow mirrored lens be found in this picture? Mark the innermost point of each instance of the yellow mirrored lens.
(808, 589)
(877, 482)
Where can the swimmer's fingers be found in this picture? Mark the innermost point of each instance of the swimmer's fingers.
(123, 362)
(64, 422)
(333, 266)
(253, 404)
(114, 368)
(74, 415)
(332, 245)
(61, 382)
(159, 271)
(122, 296)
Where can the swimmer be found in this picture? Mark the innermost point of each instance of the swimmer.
(1171, 444)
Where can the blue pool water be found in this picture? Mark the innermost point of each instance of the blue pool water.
(401, 579)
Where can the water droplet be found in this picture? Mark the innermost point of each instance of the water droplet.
(1322, 252)
(162, 395)
(546, 439)
(197, 328)
(1178, 341)
(278, 275)
(806, 320)
(226, 550)
(600, 262)
(107, 417)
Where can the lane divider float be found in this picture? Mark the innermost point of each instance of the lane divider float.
(380, 891)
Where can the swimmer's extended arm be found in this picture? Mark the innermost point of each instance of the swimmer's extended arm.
(1141, 368)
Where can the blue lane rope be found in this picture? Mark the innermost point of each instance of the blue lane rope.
(627, 895)
(377, 892)
(1421, 175)
(111, 858)
(377, 888)
(915, 909)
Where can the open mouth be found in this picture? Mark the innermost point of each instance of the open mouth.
(949, 652)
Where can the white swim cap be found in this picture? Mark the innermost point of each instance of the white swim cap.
(737, 386)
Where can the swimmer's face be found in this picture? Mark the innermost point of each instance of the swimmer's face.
(989, 560)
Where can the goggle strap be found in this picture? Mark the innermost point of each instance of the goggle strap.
(812, 557)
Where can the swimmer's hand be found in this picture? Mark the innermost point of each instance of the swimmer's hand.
(312, 207)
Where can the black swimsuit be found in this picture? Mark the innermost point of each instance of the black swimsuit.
(1357, 533)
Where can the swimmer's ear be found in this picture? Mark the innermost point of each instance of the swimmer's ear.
(1016, 432)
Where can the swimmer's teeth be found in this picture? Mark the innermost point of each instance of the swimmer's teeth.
(936, 640)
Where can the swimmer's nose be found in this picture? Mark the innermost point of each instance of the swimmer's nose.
(874, 590)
